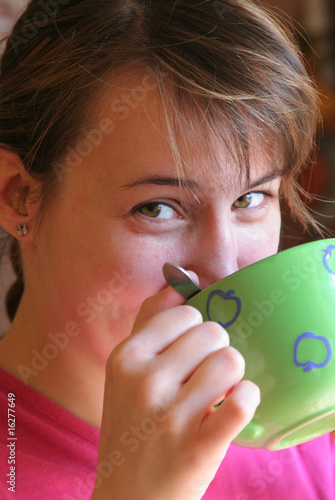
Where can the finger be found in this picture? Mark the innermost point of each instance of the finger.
(222, 426)
(217, 375)
(154, 335)
(165, 299)
(190, 350)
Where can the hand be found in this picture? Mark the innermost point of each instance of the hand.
(160, 436)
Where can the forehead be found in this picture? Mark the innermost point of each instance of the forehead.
(151, 135)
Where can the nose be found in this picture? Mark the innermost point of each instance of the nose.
(216, 252)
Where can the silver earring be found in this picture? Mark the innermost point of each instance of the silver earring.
(22, 230)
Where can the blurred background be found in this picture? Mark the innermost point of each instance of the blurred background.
(314, 23)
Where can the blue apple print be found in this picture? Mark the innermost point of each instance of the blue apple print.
(230, 295)
(327, 254)
(310, 365)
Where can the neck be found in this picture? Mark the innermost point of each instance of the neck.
(54, 364)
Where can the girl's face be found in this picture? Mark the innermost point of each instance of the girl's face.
(121, 214)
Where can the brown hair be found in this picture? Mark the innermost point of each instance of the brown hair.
(234, 69)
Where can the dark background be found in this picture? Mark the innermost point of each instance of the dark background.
(314, 23)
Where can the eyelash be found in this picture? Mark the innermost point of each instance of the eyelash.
(266, 194)
(138, 208)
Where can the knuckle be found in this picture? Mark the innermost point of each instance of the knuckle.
(239, 412)
(190, 314)
(143, 382)
(121, 361)
(241, 408)
(216, 333)
(234, 360)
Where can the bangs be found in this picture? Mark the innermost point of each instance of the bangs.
(202, 125)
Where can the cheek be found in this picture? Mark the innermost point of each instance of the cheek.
(128, 272)
(116, 294)
(260, 243)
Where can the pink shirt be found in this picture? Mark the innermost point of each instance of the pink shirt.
(54, 455)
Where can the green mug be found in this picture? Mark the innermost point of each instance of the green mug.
(280, 314)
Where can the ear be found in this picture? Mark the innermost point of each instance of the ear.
(18, 206)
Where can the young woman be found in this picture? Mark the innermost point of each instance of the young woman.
(135, 133)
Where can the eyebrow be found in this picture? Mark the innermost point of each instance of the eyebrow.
(158, 180)
(161, 181)
(265, 178)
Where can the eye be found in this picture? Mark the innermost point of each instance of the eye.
(156, 210)
(249, 200)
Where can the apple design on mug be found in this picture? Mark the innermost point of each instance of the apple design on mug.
(230, 295)
(327, 255)
(309, 365)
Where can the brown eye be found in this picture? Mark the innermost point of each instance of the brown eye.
(243, 201)
(156, 210)
(151, 210)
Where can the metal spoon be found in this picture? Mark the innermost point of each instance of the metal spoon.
(180, 280)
